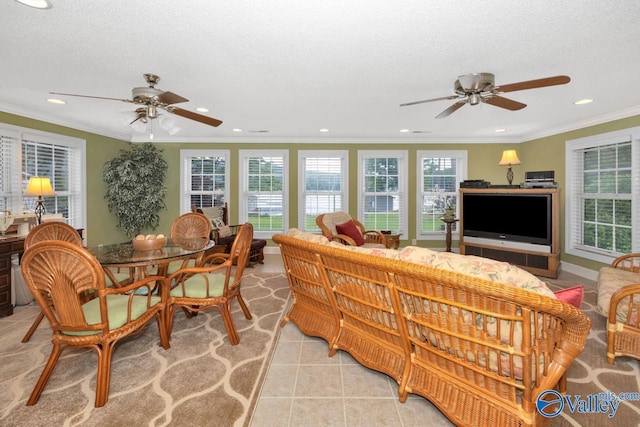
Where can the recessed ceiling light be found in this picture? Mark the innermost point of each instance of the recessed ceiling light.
(324, 130)
(500, 130)
(38, 4)
(584, 101)
(237, 130)
(404, 130)
(56, 101)
(202, 109)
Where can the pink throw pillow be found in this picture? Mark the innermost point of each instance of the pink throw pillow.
(351, 229)
(573, 296)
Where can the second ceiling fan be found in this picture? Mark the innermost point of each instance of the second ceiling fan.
(480, 87)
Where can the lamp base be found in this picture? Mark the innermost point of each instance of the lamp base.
(509, 175)
(40, 210)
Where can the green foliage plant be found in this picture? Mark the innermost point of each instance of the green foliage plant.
(136, 187)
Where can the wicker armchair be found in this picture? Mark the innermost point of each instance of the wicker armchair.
(329, 222)
(619, 301)
(63, 272)
(215, 284)
(49, 231)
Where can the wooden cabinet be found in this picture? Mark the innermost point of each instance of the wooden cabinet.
(8, 247)
(541, 260)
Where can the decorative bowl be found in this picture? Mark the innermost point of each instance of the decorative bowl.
(149, 244)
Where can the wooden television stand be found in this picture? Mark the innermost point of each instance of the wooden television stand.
(540, 263)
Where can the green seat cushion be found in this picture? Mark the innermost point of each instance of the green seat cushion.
(116, 309)
(177, 265)
(196, 286)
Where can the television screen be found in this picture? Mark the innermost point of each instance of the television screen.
(509, 217)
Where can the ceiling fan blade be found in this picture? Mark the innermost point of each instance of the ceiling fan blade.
(532, 84)
(94, 97)
(429, 100)
(195, 116)
(499, 101)
(451, 109)
(169, 98)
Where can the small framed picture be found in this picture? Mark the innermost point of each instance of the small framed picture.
(217, 222)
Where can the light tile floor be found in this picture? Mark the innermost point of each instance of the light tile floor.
(306, 387)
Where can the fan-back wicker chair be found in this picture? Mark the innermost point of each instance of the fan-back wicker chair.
(223, 240)
(327, 223)
(214, 284)
(62, 272)
(190, 225)
(49, 231)
(619, 301)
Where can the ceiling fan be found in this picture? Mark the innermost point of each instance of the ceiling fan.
(153, 99)
(480, 87)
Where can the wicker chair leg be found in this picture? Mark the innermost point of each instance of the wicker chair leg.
(162, 328)
(33, 327)
(245, 309)
(56, 350)
(104, 374)
(225, 311)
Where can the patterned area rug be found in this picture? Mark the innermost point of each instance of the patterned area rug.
(201, 380)
(591, 374)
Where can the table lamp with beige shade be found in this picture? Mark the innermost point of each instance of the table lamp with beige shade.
(509, 158)
(39, 186)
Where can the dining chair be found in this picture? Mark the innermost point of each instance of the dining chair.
(49, 231)
(62, 272)
(189, 225)
(214, 284)
(54, 230)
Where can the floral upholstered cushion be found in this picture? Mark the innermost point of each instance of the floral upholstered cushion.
(375, 251)
(309, 237)
(484, 268)
(611, 280)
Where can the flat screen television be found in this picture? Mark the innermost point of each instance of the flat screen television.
(508, 217)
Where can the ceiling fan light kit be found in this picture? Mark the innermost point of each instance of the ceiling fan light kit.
(480, 87)
(151, 100)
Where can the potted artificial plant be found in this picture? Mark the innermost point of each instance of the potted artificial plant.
(136, 187)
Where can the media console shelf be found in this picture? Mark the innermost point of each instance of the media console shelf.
(539, 259)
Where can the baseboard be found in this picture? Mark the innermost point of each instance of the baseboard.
(579, 271)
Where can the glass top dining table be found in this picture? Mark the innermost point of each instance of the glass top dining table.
(123, 255)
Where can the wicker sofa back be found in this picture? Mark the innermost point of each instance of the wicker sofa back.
(481, 351)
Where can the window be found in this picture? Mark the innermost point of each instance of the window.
(25, 153)
(382, 190)
(264, 190)
(439, 175)
(324, 185)
(603, 176)
(204, 178)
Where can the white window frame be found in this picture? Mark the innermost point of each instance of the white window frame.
(461, 157)
(185, 174)
(403, 165)
(343, 155)
(77, 192)
(573, 209)
(243, 175)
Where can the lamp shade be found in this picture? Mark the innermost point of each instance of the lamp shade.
(39, 186)
(509, 157)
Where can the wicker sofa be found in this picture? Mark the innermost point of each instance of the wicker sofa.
(479, 350)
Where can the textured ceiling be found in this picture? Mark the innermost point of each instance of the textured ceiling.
(292, 67)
